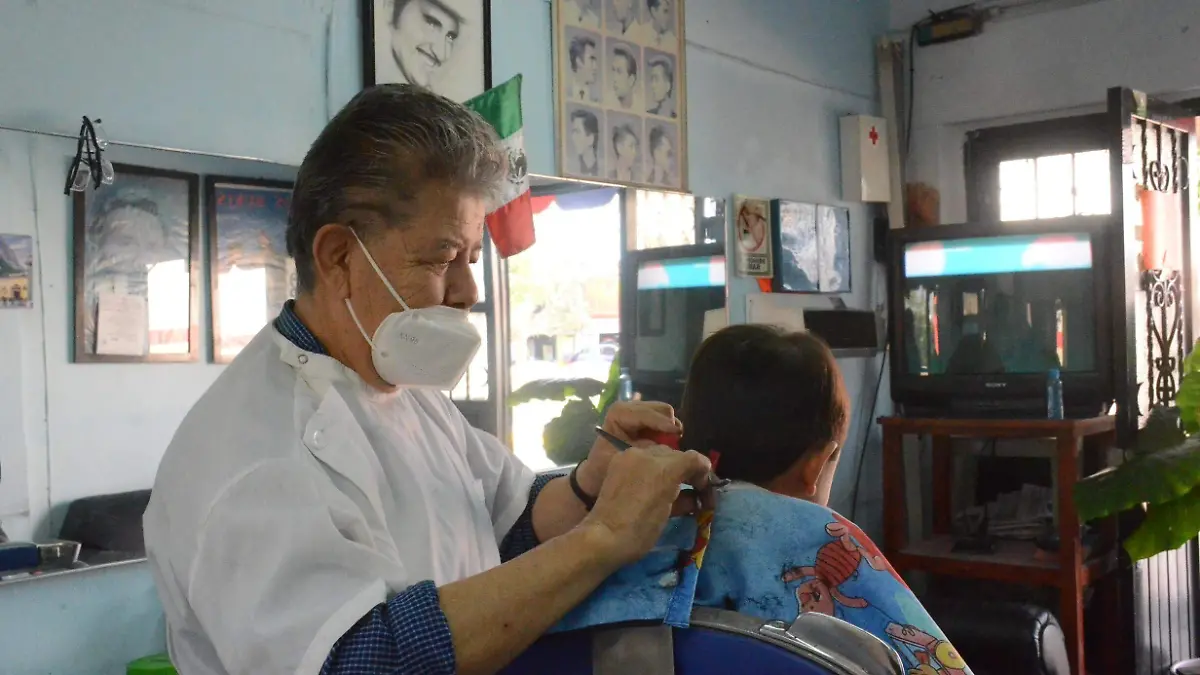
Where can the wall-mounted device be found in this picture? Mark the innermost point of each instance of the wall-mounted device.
(866, 175)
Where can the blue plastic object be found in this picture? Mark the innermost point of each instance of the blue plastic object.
(18, 556)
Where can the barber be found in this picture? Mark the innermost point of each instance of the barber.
(324, 507)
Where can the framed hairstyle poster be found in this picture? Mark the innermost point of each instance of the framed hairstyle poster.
(137, 268)
(441, 45)
(250, 273)
(621, 91)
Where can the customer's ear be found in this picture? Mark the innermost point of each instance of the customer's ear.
(812, 469)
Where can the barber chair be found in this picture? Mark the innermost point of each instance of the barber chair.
(717, 642)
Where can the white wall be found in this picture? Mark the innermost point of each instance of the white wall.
(1039, 65)
(767, 82)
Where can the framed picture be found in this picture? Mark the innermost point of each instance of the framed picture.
(833, 237)
(16, 271)
(812, 248)
(442, 45)
(137, 268)
(797, 269)
(251, 275)
(621, 91)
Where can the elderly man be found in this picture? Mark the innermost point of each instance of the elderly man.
(324, 508)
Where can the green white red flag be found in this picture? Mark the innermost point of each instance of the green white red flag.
(511, 221)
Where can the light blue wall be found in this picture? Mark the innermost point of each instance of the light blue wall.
(767, 80)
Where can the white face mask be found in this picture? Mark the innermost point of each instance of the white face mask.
(428, 347)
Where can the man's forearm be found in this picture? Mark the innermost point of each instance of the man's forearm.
(557, 509)
(496, 615)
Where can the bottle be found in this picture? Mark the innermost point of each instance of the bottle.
(1054, 394)
(625, 388)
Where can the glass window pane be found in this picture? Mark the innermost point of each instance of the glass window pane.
(480, 279)
(663, 219)
(563, 309)
(1055, 186)
(1092, 187)
(1018, 190)
(474, 385)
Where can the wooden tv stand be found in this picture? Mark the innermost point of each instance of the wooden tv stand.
(1012, 561)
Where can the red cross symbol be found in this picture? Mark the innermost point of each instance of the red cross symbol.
(874, 136)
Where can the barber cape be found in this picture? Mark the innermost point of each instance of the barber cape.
(294, 498)
(774, 557)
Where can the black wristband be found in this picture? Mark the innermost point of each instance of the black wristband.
(588, 500)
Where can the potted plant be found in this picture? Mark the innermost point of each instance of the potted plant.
(1160, 476)
(568, 437)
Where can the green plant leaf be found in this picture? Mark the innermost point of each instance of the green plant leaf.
(1153, 478)
(569, 437)
(612, 387)
(1166, 527)
(1188, 398)
(1161, 432)
(558, 389)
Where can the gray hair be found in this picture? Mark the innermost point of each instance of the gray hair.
(372, 159)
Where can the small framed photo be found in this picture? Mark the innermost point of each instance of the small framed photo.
(442, 45)
(16, 271)
(621, 91)
(251, 275)
(137, 268)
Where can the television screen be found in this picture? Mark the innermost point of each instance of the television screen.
(673, 296)
(1015, 304)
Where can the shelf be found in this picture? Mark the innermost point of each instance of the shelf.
(999, 428)
(1012, 561)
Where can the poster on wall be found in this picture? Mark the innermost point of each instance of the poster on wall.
(796, 251)
(137, 268)
(250, 273)
(812, 248)
(438, 44)
(16, 271)
(620, 91)
(833, 237)
(752, 231)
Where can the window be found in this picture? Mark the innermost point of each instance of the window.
(1053, 186)
(1047, 169)
(564, 301)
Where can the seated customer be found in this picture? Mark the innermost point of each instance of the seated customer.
(774, 406)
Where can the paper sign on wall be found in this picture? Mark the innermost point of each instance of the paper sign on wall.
(121, 324)
(752, 231)
(775, 310)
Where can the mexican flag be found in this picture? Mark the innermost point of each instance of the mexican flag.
(511, 223)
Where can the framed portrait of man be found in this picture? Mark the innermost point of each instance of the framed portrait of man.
(441, 45)
(620, 91)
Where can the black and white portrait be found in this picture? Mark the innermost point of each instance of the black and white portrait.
(438, 44)
(584, 13)
(660, 20)
(582, 68)
(662, 140)
(660, 84)
(624, 136)
(585, 149)
(621, 91)
(624, 71)
(622, 18)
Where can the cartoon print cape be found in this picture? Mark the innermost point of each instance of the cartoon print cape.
(773, 557)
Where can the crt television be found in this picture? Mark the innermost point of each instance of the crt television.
(665, 294)
(980, 313)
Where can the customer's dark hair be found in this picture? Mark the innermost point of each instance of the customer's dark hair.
(762, 397)
(368, 165)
